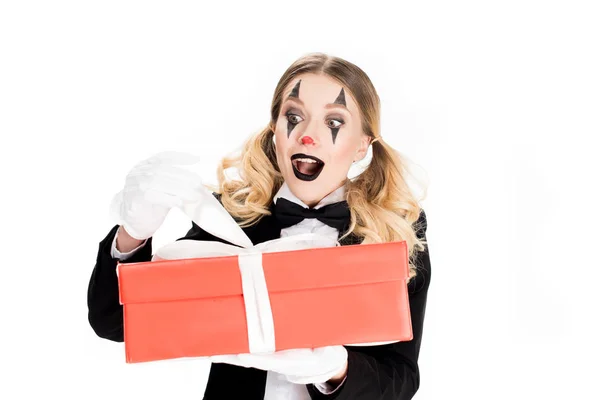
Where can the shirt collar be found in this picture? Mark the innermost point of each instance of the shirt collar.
(333, 197)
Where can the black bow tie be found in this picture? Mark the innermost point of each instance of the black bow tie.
(336, 215)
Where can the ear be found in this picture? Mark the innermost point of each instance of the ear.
(361, 152)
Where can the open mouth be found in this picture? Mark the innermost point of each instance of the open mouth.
(306, 168)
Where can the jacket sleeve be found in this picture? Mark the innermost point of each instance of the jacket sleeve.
(391, 371)
(105, 312)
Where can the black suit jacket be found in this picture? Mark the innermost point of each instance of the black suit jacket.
(382, 372)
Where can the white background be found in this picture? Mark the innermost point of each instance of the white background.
(497, 103)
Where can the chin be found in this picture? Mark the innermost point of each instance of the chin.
(310, 192)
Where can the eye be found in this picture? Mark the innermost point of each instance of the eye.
(293, 118)
(332, 123)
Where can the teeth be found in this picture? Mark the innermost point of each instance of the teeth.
(306, 160)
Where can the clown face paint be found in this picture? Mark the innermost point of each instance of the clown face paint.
(295, 93)
(341, 99)
(319, 107)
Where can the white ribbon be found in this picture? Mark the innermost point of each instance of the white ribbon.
(210, 215)
(259, 317)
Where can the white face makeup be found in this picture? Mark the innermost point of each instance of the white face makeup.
(317, 136)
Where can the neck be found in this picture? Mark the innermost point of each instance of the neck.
(311, 203)
(333, 196)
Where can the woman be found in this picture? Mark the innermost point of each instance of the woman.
(324, 116)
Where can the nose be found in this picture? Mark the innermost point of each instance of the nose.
(306, 140)
(312, 134)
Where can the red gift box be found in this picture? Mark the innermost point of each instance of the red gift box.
(196, 307)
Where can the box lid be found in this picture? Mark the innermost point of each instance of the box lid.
(213, 277)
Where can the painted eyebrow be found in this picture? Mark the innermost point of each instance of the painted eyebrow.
(328, 106)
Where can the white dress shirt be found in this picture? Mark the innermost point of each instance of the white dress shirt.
(277, 387)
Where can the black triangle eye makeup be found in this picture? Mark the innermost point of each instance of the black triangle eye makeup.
(296, 90)
(295, 94)
(341, 99)
(334, 133)
(290, 127)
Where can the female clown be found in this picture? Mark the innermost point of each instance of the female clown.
(325, 114)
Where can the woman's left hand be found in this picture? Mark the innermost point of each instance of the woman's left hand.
(301, 366)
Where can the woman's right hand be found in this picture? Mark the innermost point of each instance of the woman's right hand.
(152, 188)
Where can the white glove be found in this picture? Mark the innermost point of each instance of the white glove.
(152, 188)
(301, 366)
